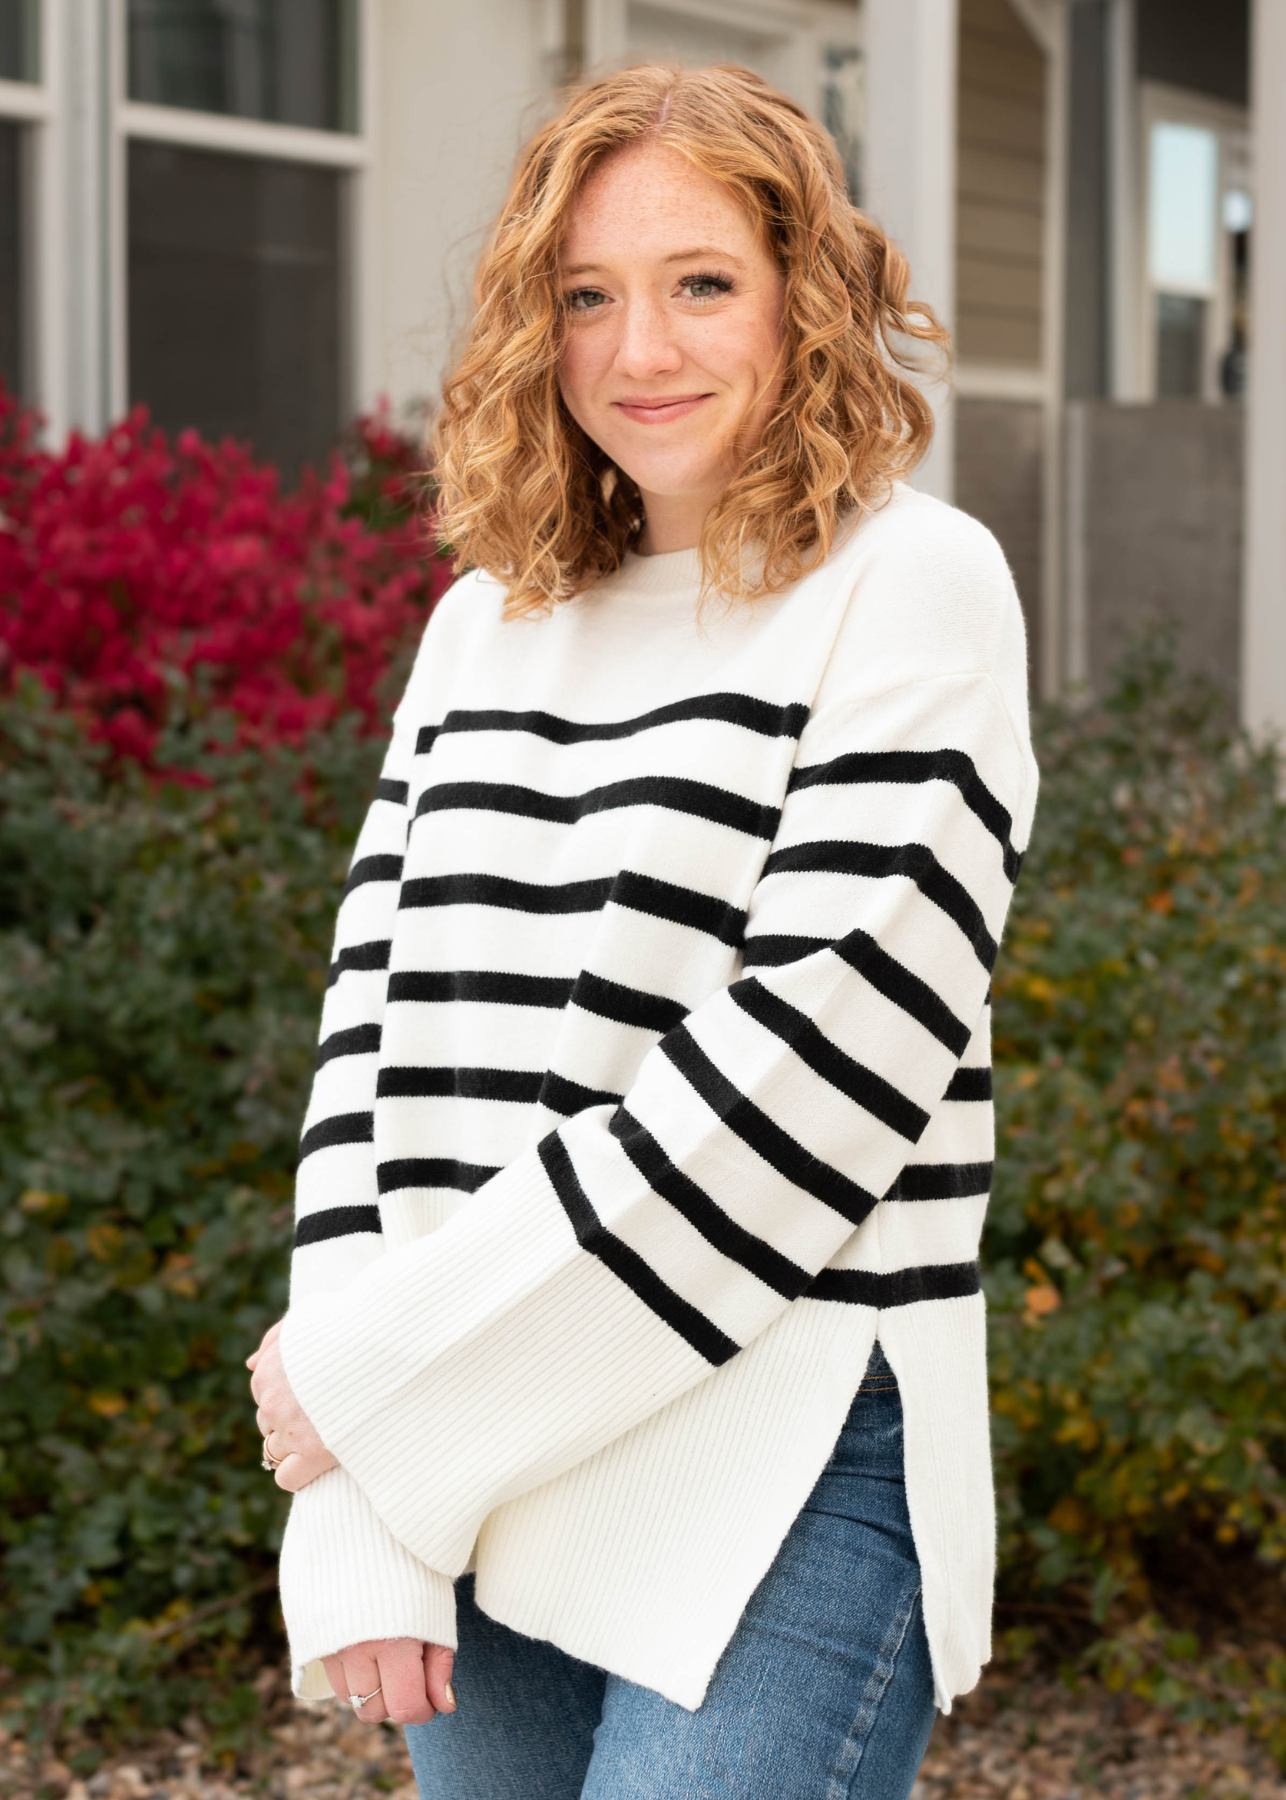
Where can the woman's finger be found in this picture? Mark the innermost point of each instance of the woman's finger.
(299, 1468)
(438, 1665)
(269, 1337)
(361, 1676)
(402, 1673)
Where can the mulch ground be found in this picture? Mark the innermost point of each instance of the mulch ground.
(1022, 1739)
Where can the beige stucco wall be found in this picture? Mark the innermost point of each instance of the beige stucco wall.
(459, 87)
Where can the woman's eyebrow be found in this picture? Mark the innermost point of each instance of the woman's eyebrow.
(701, 250)
(705, 250)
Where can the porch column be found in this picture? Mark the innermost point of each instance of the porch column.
(1263, 679)
(911, 55)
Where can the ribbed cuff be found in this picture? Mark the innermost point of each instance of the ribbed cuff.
(478, 1362)
(345, 1579)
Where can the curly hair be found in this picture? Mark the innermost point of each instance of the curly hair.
(526, 495)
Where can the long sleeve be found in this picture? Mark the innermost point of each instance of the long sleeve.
(344, 1576)
(641, 1244)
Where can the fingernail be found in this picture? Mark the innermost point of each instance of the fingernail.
(449, 1691)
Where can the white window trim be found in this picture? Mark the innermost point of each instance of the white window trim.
(240, 137)
(23, 100)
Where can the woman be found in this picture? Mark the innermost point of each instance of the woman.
(641, 1185)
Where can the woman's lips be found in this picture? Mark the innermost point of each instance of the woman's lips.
(660, 412)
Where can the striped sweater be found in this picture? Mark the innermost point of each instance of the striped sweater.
(654, 1086)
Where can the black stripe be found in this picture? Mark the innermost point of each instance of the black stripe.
(730, 709)
(626, 1264)
(424, 739)
(373, 868)
(431, 1171)
(896, 982)
(914, 860)
(776, 1147)
(343, 1128)
(637, 893)
(676, 793)
(702, 1213)
(680, 905)
(941, 1181)
(934, 1281)
(904, 766)
(626, 1005)
(970, 1084)
(853, 1079)
(492, 986)
(399, 1082)
(358, 1040)
(394, 791)
(772, 949)
(499, 890)
(335, 1222)
(568, 1097)
(360, 957)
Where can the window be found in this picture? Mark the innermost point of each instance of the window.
(1183, 207)
(19, 62)
(1197, 218)
(235, 298)
(289, 61)
(241, 152)
(844, 109)
(19, 40)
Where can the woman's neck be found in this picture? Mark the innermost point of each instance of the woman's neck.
(673, 522)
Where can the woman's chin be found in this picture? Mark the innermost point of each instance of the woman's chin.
(677, 483)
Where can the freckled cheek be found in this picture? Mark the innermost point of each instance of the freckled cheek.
(581, 369)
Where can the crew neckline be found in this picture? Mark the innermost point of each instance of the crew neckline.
(666, 587)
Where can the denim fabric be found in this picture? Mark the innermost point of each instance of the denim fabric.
(824, 1693)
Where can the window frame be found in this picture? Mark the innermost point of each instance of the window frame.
(32, 106)
(1159, 104)
(349, 152)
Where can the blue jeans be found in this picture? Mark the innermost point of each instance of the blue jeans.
(824, 1693)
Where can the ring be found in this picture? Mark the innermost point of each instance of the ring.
(358, 1701)
(270, 1462)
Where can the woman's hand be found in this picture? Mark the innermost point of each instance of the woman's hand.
(288, 1433)
(414, 1679)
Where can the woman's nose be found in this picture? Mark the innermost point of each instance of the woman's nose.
(647, 344)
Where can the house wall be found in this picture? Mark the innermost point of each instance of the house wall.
(1000, 335)
(1000, 191)
(1086, 330)
(1000, 447)
(459, 89)
(1159, 523)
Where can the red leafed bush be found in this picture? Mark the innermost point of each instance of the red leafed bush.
(140, 577)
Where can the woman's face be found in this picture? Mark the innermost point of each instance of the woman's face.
(674, 327)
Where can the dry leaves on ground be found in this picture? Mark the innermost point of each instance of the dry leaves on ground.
(1038, 1740)
(1011, 1740)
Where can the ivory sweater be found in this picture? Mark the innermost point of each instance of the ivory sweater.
(654, 1086)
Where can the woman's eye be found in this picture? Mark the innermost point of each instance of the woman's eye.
(586, 300)
(705, 287)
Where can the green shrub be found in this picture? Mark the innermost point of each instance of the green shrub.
(162, 955)
(1136, 1246)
